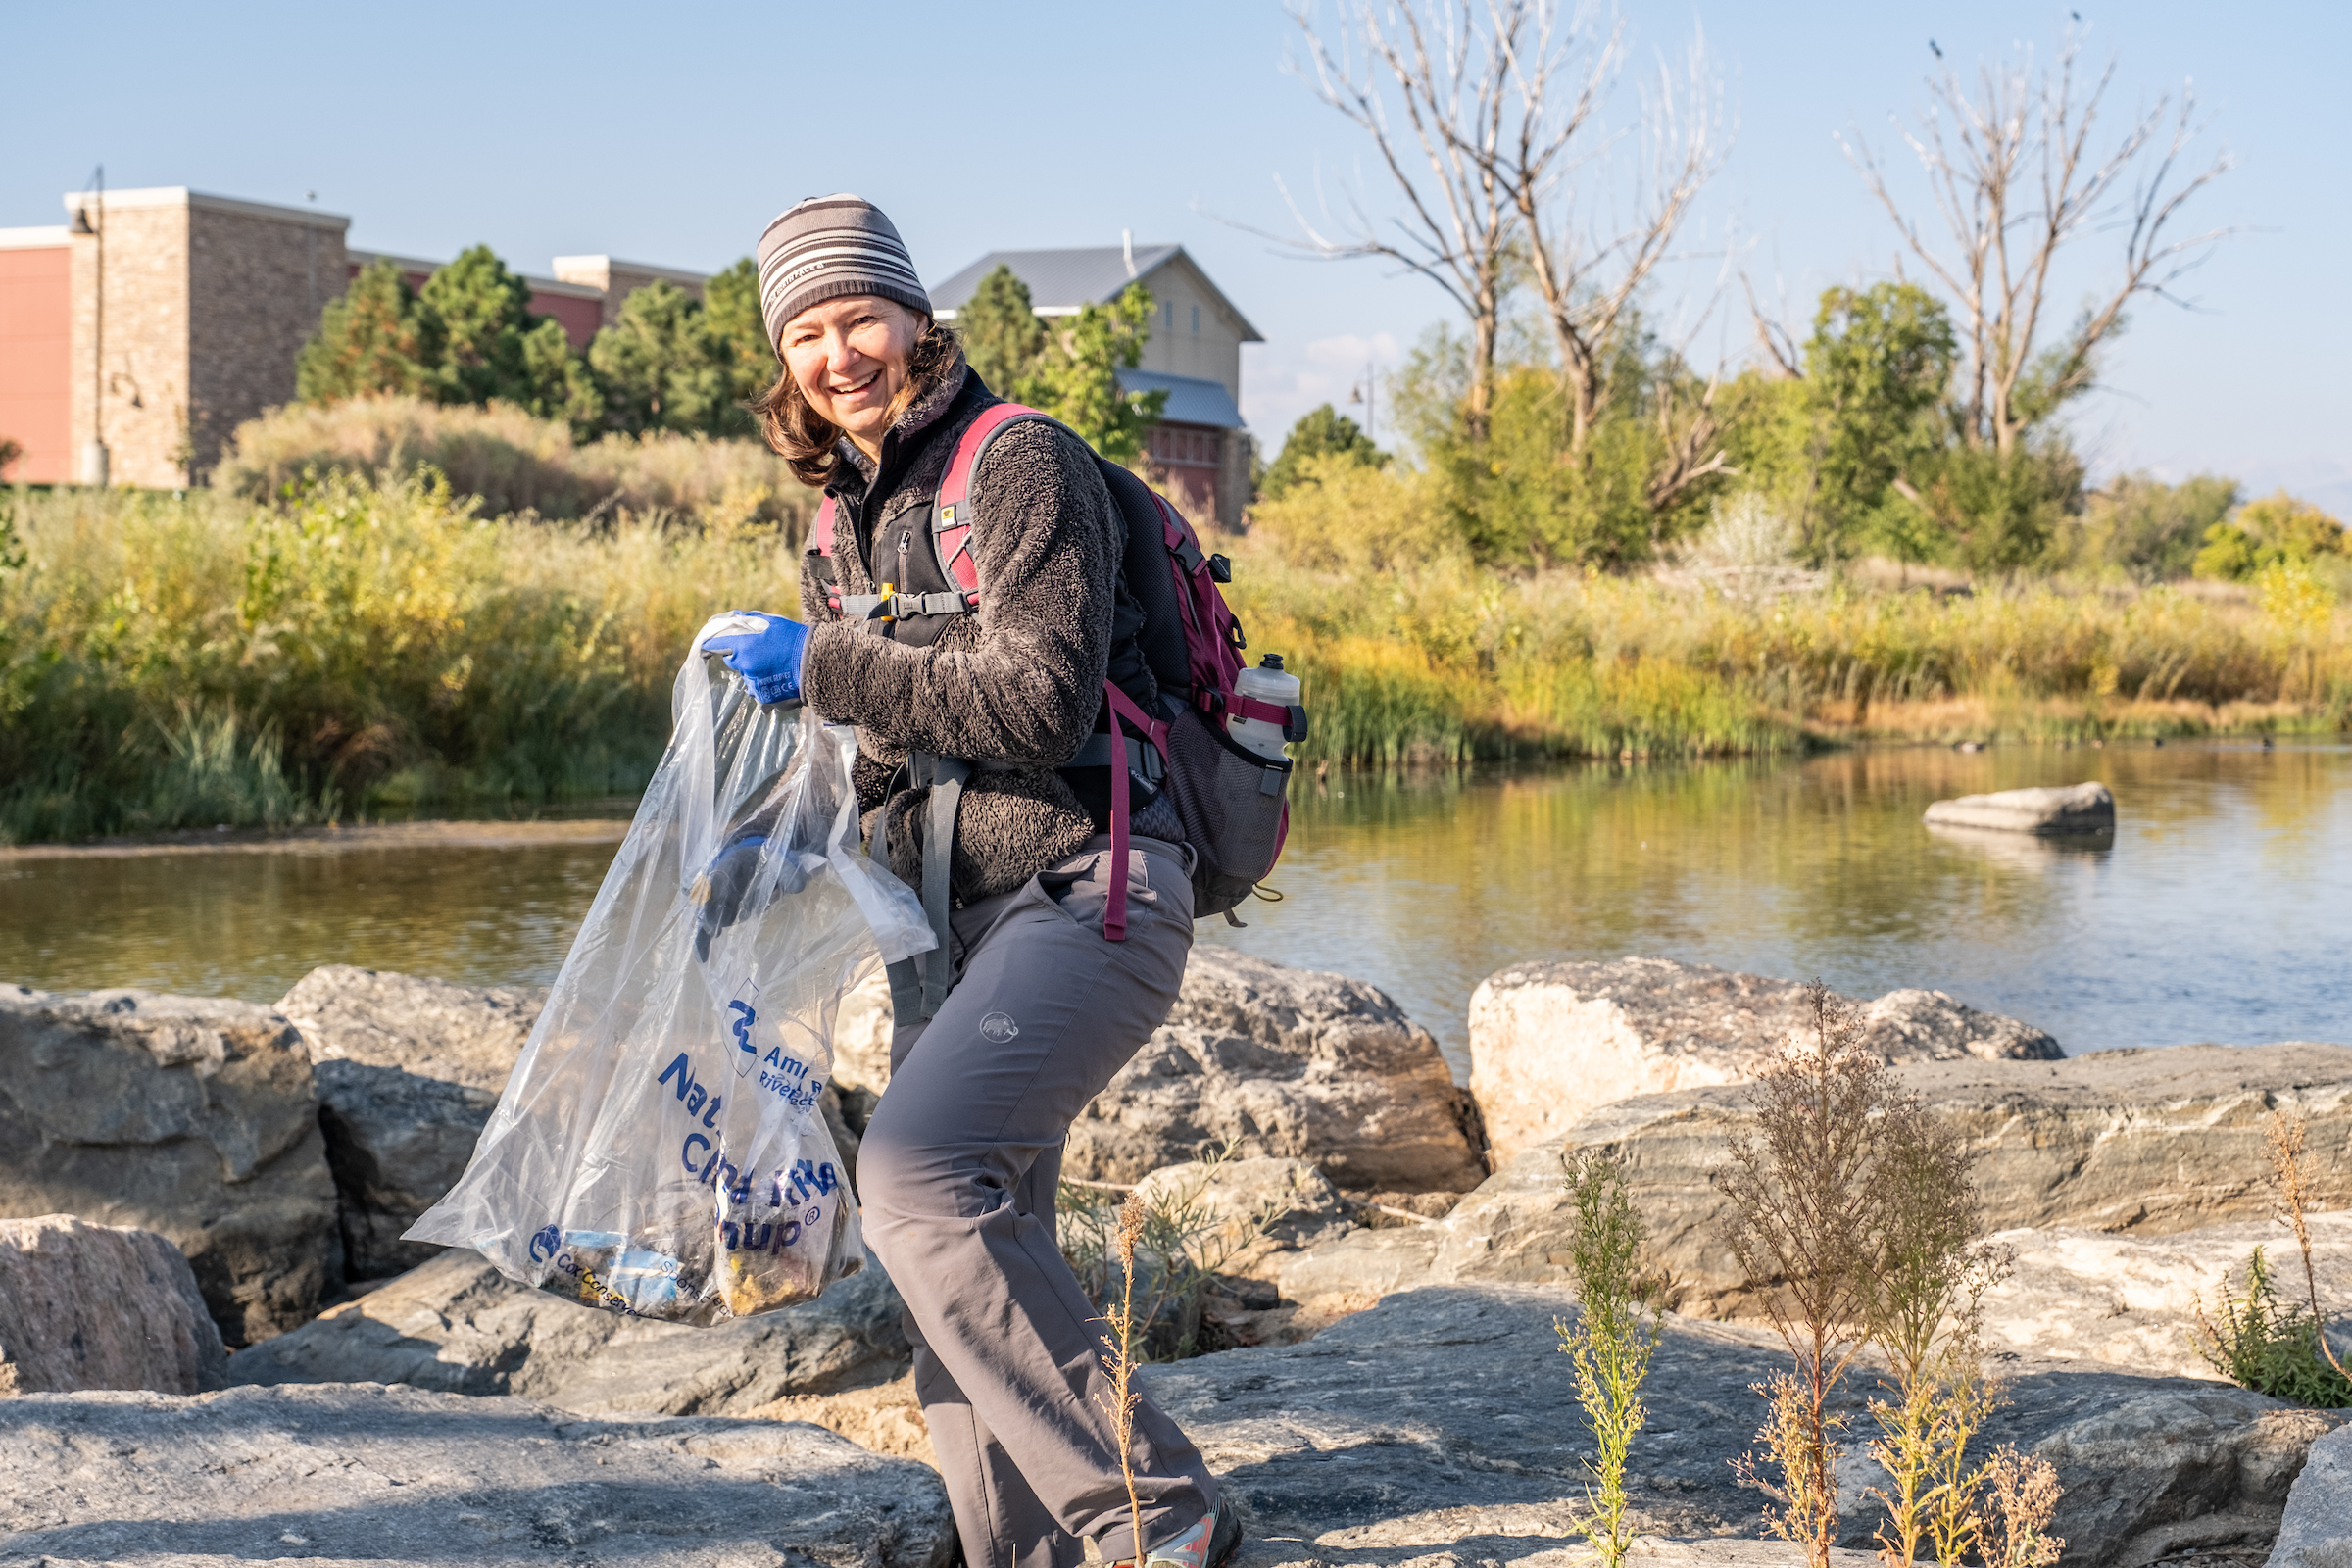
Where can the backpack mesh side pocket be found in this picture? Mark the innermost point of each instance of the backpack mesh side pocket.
(1235, 808)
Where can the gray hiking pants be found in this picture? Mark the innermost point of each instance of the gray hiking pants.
(957, 1173)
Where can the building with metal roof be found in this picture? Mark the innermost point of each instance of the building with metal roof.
(1200, 453)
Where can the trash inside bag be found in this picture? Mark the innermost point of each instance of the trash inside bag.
(660, 1150)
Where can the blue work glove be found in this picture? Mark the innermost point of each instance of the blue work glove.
(720, 893)
(767, 659)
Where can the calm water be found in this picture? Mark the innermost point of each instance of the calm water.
(2223, 911)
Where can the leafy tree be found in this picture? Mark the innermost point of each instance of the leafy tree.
(1877, 365)
(1077, 376)
(483, 312)
(737, 335)
(1321, 432)
(1001, 333)
(2276, 529)
(2151, 529)
(555, 383)
(658, 363)
(375, 338)
(1990, 510)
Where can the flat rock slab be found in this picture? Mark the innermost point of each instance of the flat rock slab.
(97, 1307)
(456, 1325)
(1550, 1042)
(365, 1474)
(1441, 1426)
(2079, 809)
(2131, 1299)
(2147, 1142)
(190, 1116)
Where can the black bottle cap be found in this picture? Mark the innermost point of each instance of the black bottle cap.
(1270, 661)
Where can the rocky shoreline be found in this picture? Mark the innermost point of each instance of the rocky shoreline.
(205, 1305)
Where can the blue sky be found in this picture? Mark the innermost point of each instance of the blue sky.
(673, 137)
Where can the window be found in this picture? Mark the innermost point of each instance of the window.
(1196, 320)
(1167, 314)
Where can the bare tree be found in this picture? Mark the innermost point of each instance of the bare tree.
(1589, 253)
(1443, 69)
(2014, 181)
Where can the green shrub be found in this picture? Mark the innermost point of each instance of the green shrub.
(2257, 1343)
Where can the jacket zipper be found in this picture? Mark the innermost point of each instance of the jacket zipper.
(906, 547)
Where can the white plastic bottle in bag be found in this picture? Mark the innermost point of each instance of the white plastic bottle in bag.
(1269, 682)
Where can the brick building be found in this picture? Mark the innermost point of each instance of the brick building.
(207, 302)
(1199, 449)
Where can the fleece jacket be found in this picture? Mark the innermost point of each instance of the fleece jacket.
(1020, 680)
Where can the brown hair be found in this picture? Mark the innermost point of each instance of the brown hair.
(805, 439)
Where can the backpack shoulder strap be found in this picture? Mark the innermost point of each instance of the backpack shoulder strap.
(951, 513)
(820, 532)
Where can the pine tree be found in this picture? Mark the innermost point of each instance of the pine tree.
(371, 340)
(1000, 330)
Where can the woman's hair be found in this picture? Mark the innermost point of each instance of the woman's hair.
(805, 439)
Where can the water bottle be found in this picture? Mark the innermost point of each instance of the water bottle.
(1269, 682)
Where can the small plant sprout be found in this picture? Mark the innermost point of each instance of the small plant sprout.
(1806, 1190)
(1610, 1340)
(1926, 1313)
(2285, 1135)
(2016, 1528)
(1119, 1359)
(2256, 1342)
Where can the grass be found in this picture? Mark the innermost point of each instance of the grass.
(340, 627)
(169, 663)
(1411, 653)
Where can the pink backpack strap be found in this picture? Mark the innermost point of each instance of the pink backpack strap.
(1123, 713)
(820, 532)
(951, 513)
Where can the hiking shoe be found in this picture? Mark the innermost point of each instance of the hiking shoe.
(1211, 1544)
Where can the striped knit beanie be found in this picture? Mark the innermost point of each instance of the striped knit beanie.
(829, 246)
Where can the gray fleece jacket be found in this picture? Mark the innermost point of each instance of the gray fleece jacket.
(1018, 680)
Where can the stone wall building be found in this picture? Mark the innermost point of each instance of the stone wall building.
(1199, 453)
(206, 304)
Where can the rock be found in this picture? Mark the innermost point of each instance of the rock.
(396, 1142)
(1290, 1197)
(2317, 1530)
(457, 1326)
(2147, 1142)
(1549, 1042)
(190, 1116)
(390, 1476)
(2131, 1299)
(1444, 1422)
(887, 1418)
(1283, 1064)
(98, 1307)
(457, 1034)
(2050, 813)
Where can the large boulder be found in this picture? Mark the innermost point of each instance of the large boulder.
(457, 1034)
(1289, 1065)
(2148, 1142)
(1445, 1421)
(2317, 1530)
(192, 1117)
(392, 1475)
(2050, 812)
(98, 1307)
(1549, 1042)
(397, 1141)
(457, 1326)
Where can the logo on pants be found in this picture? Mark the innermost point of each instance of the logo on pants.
(999, 1027)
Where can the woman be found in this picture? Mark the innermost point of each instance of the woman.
(957, 1168)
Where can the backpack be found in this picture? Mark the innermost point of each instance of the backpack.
(1233, 802)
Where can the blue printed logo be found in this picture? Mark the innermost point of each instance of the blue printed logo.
(545, 1243)
(743, 1025)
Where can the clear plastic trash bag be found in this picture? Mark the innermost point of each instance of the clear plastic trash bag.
(658, 1150)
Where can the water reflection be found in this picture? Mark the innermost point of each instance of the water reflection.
(2219, 912)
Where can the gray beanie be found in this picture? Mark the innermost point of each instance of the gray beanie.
(829, 246)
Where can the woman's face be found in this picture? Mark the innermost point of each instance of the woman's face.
(849, 358)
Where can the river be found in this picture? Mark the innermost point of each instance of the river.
(2221, 911)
